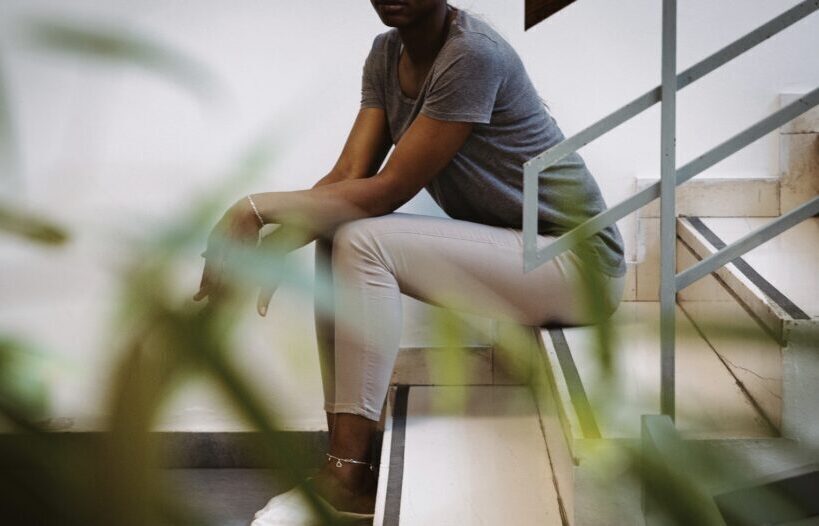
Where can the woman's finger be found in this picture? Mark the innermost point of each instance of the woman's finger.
(210, 275)
(264, 299)
(205, 282)
(216, 276)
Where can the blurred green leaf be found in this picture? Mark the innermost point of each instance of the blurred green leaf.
(22, 382)
(30, 226)
(117, 44)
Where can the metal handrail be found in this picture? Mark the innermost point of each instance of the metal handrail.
(534, 258)
(671, 177)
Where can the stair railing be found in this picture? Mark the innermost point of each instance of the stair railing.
(671, 177)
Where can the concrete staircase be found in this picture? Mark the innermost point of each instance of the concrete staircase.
(771, 291)
(753, 400)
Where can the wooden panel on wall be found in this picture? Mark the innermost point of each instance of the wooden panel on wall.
(537, 10)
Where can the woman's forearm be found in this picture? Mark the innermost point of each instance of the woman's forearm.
(299, 230)
(326, 206)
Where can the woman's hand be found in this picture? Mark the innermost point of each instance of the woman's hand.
(239, 225)
(286, 238)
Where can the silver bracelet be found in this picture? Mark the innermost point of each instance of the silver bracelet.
(256, 211)
(340, 460)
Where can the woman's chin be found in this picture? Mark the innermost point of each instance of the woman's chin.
(395, 21)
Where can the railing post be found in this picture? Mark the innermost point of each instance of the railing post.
(668, 179)
(530, 215)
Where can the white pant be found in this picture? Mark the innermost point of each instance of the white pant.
(461, 265)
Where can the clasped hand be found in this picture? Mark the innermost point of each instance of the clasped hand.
(239, 227)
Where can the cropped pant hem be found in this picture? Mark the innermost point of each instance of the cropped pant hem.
(356, 409)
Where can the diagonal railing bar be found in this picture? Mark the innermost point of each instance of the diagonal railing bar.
(684, 79)
(534, 257)
(747, 242)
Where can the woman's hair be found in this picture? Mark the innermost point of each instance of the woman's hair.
(544, 103)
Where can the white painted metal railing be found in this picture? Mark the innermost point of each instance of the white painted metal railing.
(671, 177)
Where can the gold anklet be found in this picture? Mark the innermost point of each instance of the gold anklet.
(340, 460)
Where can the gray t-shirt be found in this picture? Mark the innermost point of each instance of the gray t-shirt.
(478, 77)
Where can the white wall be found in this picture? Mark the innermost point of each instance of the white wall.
(115, 151)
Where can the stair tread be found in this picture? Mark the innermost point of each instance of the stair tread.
(709, 403)
(788, 261)
(483, 461)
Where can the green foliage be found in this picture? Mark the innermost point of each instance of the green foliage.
(119, 46)
(30, 226)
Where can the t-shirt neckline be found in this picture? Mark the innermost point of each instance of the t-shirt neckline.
(396, 60)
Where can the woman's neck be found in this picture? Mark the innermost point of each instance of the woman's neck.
(425, 38)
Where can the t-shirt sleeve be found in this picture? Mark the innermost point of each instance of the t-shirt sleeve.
(466, 80)
(372, 87)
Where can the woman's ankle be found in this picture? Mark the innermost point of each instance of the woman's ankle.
(356, 479)
(331, 420)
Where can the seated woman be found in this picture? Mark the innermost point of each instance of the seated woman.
(456, 101)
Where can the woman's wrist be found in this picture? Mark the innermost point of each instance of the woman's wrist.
(241, 213)
(254, 211)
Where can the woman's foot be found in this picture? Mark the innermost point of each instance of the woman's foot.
(355, 494)
(350, 488)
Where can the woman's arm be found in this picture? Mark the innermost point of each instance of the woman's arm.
(364, 151)
(424, 150)
(323, 208)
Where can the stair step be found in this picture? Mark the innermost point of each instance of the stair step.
(456, 455)
(777, 280)
(590, 430)
(709, 403)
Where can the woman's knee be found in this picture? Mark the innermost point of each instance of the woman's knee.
(365, 241)
(360, 234)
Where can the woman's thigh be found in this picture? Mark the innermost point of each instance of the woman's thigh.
(470, 267)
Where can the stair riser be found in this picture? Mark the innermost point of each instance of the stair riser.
(800, 410)
(506, 361)
(498, 365)
(443, 366)
(799, 168)
(808, 122)
(798, 155)
(719, 197)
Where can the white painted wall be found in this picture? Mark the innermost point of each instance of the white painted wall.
(115, 151)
